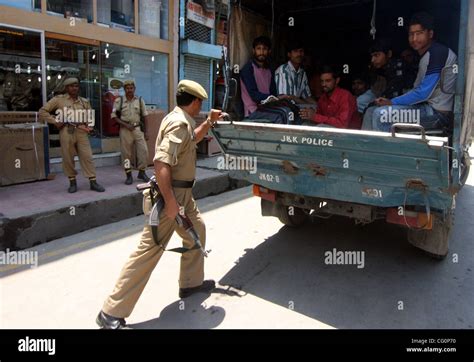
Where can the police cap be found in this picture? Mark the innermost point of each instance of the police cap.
(193, 88)
(70, 81)
(129, 82)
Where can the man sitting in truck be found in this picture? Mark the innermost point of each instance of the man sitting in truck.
(257, 81)
(393, 76)
(291, 79)
(426, 104)
(361, 89)
(337, 107)
(398, 76)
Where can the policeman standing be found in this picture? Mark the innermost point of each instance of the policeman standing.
(73, 116)
(129, 112)
(175, 170)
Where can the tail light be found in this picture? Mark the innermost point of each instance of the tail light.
(264, 193)
(410, 218)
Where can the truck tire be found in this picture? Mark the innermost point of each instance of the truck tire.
(293, 218)
(434, 242)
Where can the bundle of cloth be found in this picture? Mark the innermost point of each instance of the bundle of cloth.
(278, 111)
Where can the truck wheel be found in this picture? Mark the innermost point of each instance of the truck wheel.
(292, 217)
(434, 242)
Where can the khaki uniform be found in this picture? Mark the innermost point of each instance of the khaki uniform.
(73, 141)
(175, 146)
(130, 113)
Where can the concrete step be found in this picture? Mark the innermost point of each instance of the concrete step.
(100, 160)
(35, 213)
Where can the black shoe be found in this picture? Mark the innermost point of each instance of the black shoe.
(129, 179)
(72, 186)
(96, 187)
(143, 176)
(106, 321)
(205, 287)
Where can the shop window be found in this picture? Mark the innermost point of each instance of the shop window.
(117, 14)
(81, 10)
(23, 4)
(20, 70)
(154, 18)
(148, 69)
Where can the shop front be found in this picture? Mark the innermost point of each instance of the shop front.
(103, 43)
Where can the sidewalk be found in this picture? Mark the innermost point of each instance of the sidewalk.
(34, 213)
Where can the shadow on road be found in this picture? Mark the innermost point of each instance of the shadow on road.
(189, 313)
(398, 287)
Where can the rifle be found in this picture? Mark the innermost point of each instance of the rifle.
(227, 77)
(142, 117)
(181, 219)
(118, 113)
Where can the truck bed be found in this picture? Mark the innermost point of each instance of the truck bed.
(363, 167)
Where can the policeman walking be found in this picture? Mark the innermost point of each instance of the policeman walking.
(73, 116)
(175, 170)
(129, 112)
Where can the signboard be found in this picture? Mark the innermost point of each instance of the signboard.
(196, 13)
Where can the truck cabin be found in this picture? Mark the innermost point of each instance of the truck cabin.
(352, 45)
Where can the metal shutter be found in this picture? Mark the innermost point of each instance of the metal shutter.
(199, 70)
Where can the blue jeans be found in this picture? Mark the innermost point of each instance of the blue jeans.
(382, 118)
(364, 100)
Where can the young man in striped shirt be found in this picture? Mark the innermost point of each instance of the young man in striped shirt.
(291, 79)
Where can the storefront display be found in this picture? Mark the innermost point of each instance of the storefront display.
(20, 70)
(148, 69)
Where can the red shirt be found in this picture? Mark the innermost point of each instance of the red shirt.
(339, 110)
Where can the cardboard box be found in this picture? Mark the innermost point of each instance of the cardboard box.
(18, 117)
(23, 153)
(209, 145)
(153, 123)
